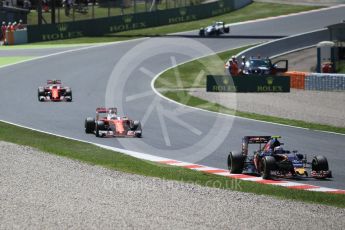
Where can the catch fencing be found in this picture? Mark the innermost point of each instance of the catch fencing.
(101, 26)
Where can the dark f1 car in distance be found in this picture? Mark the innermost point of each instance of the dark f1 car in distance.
(108, 124)
(271, 159)
(54, 91)
(216, 29)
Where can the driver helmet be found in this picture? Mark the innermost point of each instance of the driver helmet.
(278, 150)
(112, 111)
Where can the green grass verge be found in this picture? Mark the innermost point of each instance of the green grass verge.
(187, 72)
(12, 60)
(253, 11)
(187, 79)
(43, 46)
(97, 156)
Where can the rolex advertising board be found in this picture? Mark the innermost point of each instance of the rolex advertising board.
(101, 26)
(248, 83)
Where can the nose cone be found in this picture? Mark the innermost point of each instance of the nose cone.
(55, 93)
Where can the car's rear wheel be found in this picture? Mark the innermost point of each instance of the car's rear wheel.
(235, 162)
(89, 125)
(319, 163)
(227, 29)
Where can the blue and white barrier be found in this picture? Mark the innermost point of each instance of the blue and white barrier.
(325, 82)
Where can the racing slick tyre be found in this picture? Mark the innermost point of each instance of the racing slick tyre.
(268, 164)
(202, 32)
(226, 29)
(40, 94)
(235, 162)
(319, 163)
(139, 134)
(136, 126)
(68, 95)
(99, 127)
(89, 125)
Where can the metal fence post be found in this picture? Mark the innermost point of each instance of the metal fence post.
(58, 9)
(109, 8)
(73, 12)
(93, 10)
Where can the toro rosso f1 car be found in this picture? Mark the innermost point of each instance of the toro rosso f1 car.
(108, 124)
(270, 159)
(54, 91)
(216, 29)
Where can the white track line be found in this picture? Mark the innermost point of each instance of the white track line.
(70, 51)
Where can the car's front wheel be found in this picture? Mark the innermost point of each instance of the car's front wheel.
(319, 163)
(268, 164)
(99, 126)
(40, 94)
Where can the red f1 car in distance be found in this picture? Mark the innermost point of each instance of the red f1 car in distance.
(108, 124)
(54, 91)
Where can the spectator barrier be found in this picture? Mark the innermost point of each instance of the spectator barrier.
(296, 79)
(325, 82)
(316, 81)
(20, 37)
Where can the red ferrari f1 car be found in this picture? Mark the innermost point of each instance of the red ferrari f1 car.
(108, 124)
(54, 91)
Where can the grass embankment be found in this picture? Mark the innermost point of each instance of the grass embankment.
(97, 156)
(12, 60)
(253, 11)
(187, 72)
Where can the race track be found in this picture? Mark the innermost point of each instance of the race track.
(120, 75)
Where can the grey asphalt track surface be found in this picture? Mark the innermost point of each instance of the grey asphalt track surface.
(127, 69)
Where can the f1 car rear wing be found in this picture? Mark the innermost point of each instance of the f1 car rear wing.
(255, 140)
(258, 139)
(49, 82)
(105, 110)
